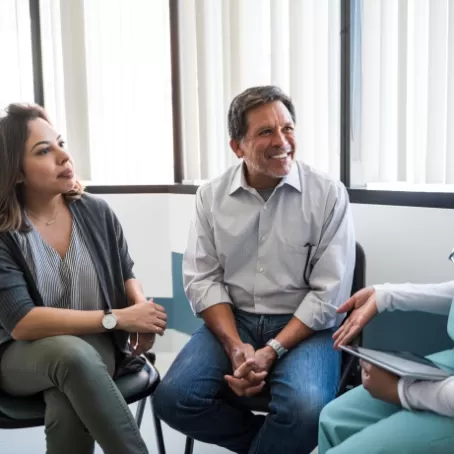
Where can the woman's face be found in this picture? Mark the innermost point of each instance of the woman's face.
(48, 167)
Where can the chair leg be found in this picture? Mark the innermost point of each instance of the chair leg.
(139, 411)
(158, 430)
(189, 448)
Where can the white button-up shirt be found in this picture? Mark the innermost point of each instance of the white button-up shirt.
(252, 253)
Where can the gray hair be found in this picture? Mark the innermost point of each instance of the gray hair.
(247, 100)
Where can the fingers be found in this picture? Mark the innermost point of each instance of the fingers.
(255, 378)
(242, 387)
(160, 323)
(244, 368)
(346, 334)
(357, 300)
(237, 384)
(347, 306)
(159, 308)
(161, 315)
(246, 371)
(253, 390)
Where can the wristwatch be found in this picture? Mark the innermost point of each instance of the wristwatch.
(109, 321)
(277, 347)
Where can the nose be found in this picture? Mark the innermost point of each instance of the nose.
(63, 156)
(279, 140)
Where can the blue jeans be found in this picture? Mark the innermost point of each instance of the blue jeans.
(189, 399)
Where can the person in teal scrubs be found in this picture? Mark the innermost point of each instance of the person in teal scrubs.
(389, 415)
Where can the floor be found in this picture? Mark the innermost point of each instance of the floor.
(31, 441)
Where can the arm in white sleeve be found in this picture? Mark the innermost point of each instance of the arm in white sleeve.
(433, 298)
(203, 276)
(334, 260)
(434, 396)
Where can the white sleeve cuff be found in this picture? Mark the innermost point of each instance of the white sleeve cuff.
(401, 389)
(382, 298)
(316, 314)
(206, 294)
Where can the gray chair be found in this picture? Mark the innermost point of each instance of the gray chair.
(25, 412)
(350, 371)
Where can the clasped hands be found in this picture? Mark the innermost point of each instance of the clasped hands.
(250, 369)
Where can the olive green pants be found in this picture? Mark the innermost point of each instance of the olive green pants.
(83, 404)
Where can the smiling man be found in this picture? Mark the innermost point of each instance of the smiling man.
(270, 258)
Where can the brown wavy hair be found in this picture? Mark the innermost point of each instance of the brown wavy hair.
(14, 132)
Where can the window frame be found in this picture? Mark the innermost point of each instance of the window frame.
(357, 195)
(421, 199)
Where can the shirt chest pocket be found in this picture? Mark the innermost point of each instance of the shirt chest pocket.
(293, 265)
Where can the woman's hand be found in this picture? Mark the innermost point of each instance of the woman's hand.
(143, 317)
(380, 383)
(364, 308)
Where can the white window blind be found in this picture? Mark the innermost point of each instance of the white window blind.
(108, 84)
(16, 73)
(231, 45)
(403, 94)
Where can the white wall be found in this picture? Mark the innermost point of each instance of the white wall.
(181, 209)
(145, 221)
(405, 244)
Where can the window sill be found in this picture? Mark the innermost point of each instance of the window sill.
(422, 199)
(142, 189)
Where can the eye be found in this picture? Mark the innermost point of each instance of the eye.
(265, 132)
(44, 151)
(289, 128)
(62, 144)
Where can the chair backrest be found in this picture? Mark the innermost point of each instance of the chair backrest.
(359, 274)
(350, 373)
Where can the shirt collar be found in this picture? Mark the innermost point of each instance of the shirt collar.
(239, 179)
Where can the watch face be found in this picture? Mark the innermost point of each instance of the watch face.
(109, 321)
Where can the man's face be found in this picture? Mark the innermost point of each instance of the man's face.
(268, 147)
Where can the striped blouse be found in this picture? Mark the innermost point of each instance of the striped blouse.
(70, 282)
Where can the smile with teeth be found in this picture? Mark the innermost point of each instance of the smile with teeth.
(281, 156)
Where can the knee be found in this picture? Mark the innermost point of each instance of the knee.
(175, 399)
(330, 414)
(166, 398)
(71, 353)
(302, 408)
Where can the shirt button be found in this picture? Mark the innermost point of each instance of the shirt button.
(263, 238)
(265, 207)
(261, 270)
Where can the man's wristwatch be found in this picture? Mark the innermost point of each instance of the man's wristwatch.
(277, 347)
(109, 321)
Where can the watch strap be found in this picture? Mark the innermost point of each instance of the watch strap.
(277, 347)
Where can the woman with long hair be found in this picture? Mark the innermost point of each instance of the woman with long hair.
(68, 296)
